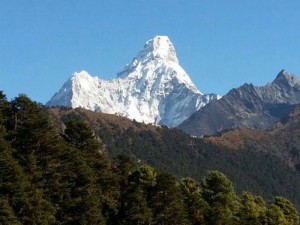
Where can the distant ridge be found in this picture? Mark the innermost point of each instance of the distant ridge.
(247, 107)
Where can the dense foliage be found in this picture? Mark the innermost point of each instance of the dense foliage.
(263, 173)
(46, 178)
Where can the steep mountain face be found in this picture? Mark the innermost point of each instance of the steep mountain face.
(153, 88)
(247, 107)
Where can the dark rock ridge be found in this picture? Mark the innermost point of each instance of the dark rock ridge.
(247, 107)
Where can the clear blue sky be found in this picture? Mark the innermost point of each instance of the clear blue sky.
(221, 44)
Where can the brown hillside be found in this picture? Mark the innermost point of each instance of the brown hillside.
(283, 140)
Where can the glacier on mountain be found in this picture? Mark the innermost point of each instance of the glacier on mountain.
(153, 88)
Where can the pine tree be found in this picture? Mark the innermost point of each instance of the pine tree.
(5, 109)
(32, 135)
(282, 212)
(218, 192)
(194, 203)
(26, 200)
(167, 201)
(136, 209)
(275, 216)
(80, 136)
(7, 215)
(252, 210)
(123, 166)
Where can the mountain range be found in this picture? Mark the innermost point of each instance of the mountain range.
(247, 107)
(153, 88)
(252, 134)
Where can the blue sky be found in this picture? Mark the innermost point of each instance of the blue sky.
(220, 43)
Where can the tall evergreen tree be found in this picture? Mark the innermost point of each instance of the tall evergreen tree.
(252, 210)
(4, 109)
(275, 216)
(282, 211)
(26, 200)
(79, 135)
(82, 137)
(136, 208)
(122, 168)
(7, 215)
(31, 134)
(167, 202)
(218, 192)
(194, 203)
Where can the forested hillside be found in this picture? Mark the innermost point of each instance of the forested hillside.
(48, 177)
(283, 141)
(263, 172)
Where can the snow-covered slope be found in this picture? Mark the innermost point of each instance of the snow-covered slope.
(153, 88)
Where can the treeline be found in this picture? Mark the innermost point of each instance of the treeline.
(51, 178)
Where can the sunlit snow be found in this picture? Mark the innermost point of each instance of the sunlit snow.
(153, 88)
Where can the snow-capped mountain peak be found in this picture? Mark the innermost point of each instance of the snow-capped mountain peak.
(159, 48)
(156, 50)
(153, 88)
(157, 60)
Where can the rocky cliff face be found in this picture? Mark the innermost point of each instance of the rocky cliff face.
(247, 107)
(153, 88)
